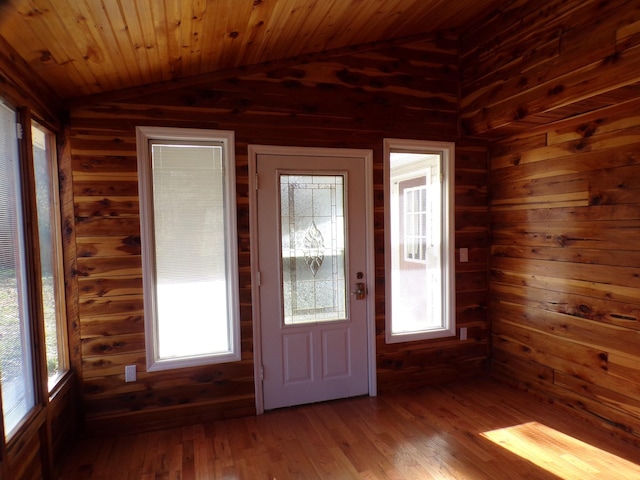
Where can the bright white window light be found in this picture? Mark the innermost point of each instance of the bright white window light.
(419, 240)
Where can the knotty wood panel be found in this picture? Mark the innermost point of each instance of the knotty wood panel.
(537, 63)
(26, 459)
(404, 91)
(20, 87)
(565, 296)
(62, 422)
(81, 48)
(559, 83)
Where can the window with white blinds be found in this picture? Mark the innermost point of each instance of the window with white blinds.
(187, 194)
(16, 363)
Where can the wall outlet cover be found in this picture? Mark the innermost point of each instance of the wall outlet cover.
(130, 373)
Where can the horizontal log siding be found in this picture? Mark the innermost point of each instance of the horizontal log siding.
(555, 87)
(534, 63)
(565, 263)
(352, 101)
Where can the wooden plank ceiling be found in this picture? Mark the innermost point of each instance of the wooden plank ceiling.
(84, 47)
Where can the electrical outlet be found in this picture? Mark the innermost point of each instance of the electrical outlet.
(130, 373)
(463, 333)
(464, 255)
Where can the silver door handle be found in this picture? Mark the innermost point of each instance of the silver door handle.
(361, 291)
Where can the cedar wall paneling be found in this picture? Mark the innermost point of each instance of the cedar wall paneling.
(535, 63)
(355, 101)
(565, 200)
(565, 265)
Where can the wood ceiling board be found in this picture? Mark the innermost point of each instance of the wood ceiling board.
(85, 47)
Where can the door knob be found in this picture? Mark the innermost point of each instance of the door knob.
(361, 291)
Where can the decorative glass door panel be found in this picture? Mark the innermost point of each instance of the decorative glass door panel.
(312, 226)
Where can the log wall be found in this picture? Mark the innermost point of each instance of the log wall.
(531, 64)
(353, 100)
(558, 85)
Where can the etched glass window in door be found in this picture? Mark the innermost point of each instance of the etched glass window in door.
(313, 248)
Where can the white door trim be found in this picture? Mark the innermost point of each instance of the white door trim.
(367, 156)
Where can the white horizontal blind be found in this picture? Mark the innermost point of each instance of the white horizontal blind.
(190, 260)
(15, 350)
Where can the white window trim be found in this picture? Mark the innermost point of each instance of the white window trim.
(415, 236)
(447, 150)
(143, 136)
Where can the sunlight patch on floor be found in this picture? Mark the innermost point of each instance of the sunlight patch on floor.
(564, 456)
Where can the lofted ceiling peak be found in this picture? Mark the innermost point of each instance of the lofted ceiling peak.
(88, 47)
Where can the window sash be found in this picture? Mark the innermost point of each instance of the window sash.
(16, 356)
(416, 224)
(50, 244)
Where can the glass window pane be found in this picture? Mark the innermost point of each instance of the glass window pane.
(312, 229)
(15, 351)
(190, 260)
(415, 220)
(46, 181)
(416, 275)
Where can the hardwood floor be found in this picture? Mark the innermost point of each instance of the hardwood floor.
(476, 430)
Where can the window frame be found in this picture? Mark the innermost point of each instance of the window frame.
(446, 150)
(144, 137)
(25, 268)
(55, 220)
(409, 220)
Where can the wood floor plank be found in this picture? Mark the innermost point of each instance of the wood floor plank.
(477, 430)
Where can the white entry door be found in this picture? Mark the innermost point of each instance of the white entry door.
(313, 278)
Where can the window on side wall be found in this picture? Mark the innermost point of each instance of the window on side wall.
(419, 240)
(189, 252)
(16, 352)
(50, 242)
